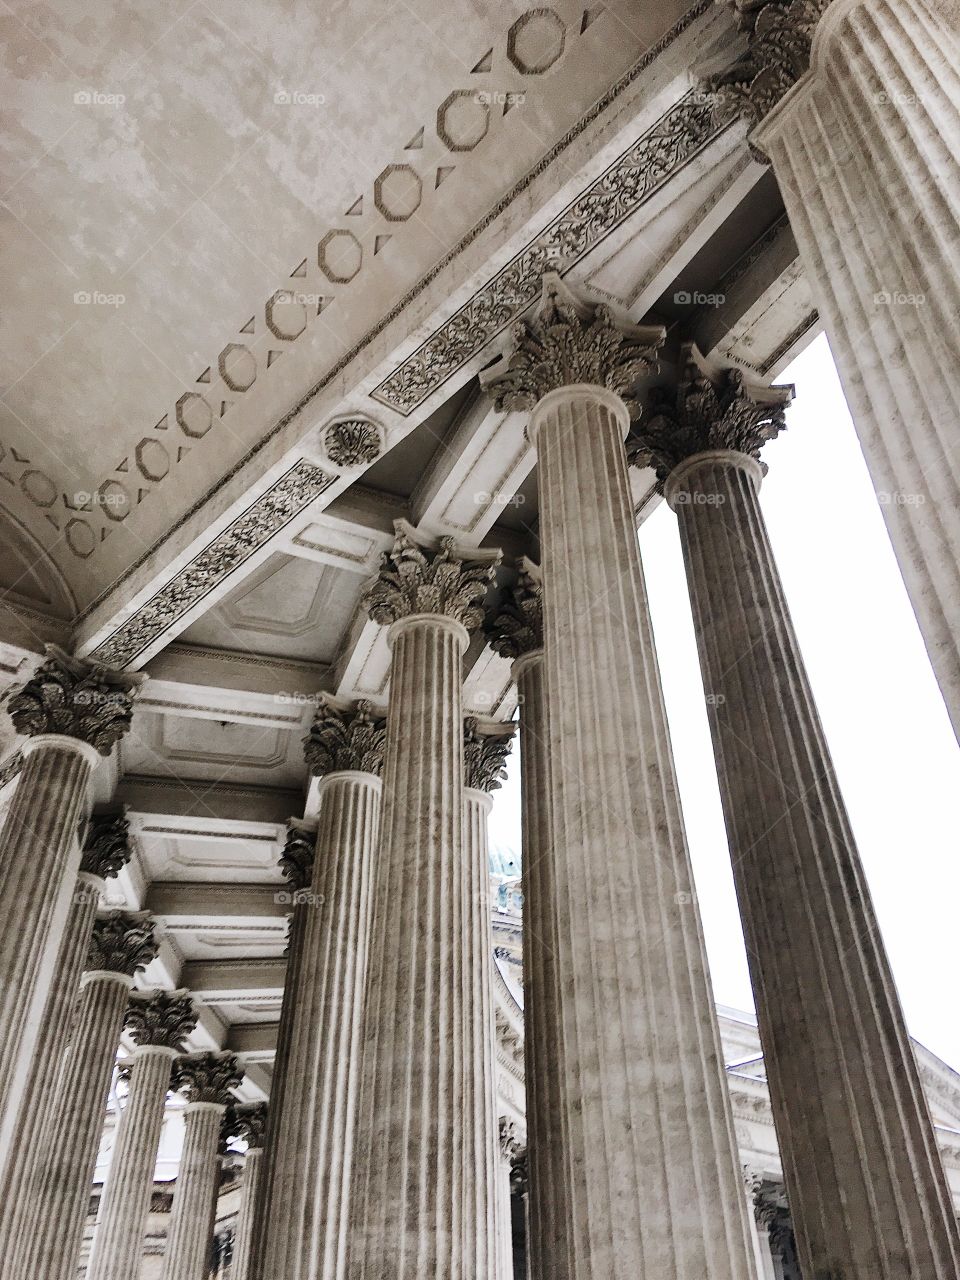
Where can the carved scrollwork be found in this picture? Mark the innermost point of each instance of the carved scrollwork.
(353, 442)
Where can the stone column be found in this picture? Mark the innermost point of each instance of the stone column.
(866, 1187)
(858, 114)
(296, 864)
(158, 1023)
(106, 849)
(205, 1080)
(251, 1125)
(653, 1184)
(419, 1152)
(486, 745)
(517, 632)
(511, 1146)
(73, 713)
(307, 1216)
(59, 1190)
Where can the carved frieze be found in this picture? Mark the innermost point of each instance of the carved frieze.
(417, 577)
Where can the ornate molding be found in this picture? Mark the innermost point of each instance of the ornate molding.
(122, 942)
(76, 697)
(779, 41)
(296, 860)
(517, 627)
(418, 576)
(207, 1077)
(345, 738)
(570, 341)
(709, 409)
(106, 849)
(485, 750)
(353, 442)
(632, 179)
(163, 1018)
(252, 1123)
(261, 521)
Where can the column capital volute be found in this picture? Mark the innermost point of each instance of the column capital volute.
(160, 1019)
(780, 38)
(296, 857)
(207, 1077)
(345, 737)
(251, 1118)
(709, 409)
(122, 942)
(422, 577)
(486, 745)
(76, 698)
(572, 343)
(516, 627)
(106, 844)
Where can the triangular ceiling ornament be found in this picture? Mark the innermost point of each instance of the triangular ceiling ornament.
(141, 494)
(224, 406)
(19, 457)
(272, 356)
(205, 376)
(162, 424)
(299, 273)
(105, 534)
(485, 63)
(380, 243)
(416, 142)
(443, 173)
(124, 466)
(182, 452)
(589, 17)
(323, 303)
(510, 101)
(249, 326)
(356, 209)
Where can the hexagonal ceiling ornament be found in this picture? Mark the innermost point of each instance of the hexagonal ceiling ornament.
(397, 192)
(463, 119)
(340, 255)
(535, 41)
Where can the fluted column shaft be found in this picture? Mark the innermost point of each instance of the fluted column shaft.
(653, 1188)
(504, 1221)
(548, 1237)
(62, 1180)
(247, 1223)
(118, 1240)
(190, 1234)
(419, 1150)
(867, 1192)
(867, 154)
(39, 860)
(38, 1106)
(307, 1215)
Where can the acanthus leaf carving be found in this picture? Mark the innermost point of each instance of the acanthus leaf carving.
(207, 1077)
(517, 627)
(486, 746)
(296, 860)
(345, 738)
(163, 1018)
(77, 698)
(122, 942)
(106, 848)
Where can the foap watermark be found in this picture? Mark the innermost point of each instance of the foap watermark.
(898, 298)
(696, 298)
(497, 98)
(715, 699)
(293, 296)
(484, 498)
(897, 98)
(901, 499)
(97, 98)
(298, 898)
(94, 298)
(298, 98)
(687, 499)
(84, 501)
(294, 698)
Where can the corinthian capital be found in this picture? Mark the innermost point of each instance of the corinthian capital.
(569, 342)
(344, 737)
(512, 1142)
(122, 942)
(518, 626)
(711, 408)
(106, 849)
(163, 1018)
(779, 39)
(420, 576)
(251, 1120)
(207, 1077)
(486, 745)
(296, 860)
(77, 698)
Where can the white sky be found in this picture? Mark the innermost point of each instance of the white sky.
(896, 758)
